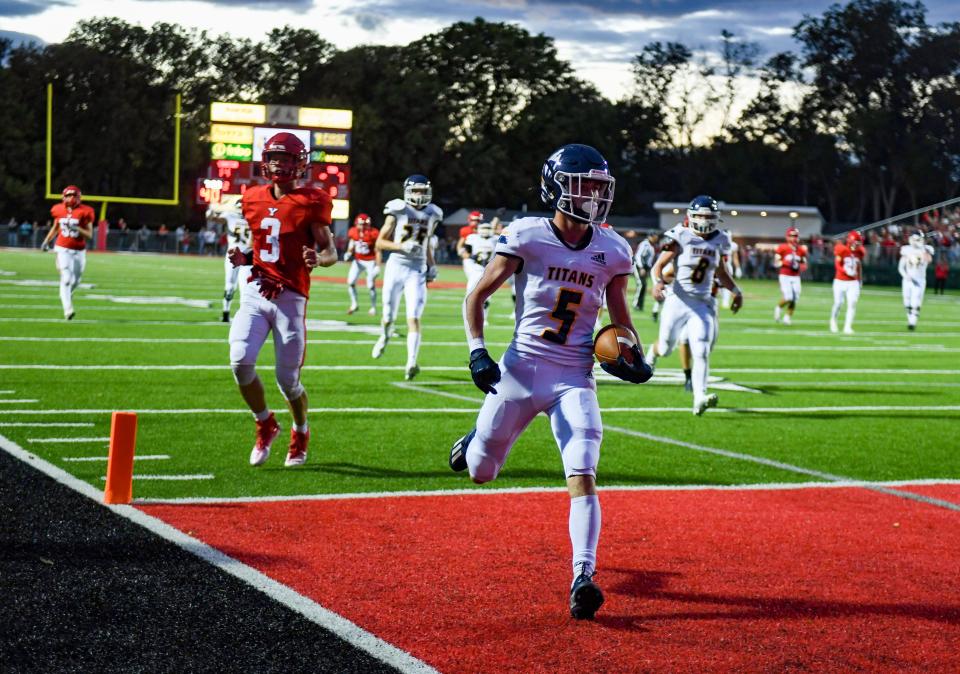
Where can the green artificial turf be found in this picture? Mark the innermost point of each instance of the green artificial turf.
(371, 434)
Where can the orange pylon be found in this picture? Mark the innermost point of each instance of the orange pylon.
(123, 442)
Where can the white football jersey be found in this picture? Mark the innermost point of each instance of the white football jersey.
(913, 261)
(238, 232)
(696, 260)
(645, 256)
(559, 288)
(415, 224)
(481, 247)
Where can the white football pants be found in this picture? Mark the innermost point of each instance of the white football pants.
(697, 321)
(70, 263)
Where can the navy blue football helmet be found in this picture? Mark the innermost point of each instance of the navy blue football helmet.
(703, 214)
(417, 190)
(576, 180)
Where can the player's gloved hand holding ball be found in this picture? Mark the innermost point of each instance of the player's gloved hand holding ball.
(484, 370)
(431, 274)
(636, 372)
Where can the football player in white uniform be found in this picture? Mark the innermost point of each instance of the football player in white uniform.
(697, 251)
(238, 236)
(914, 259)
(563, 267)
(479, 246)
(406, 233)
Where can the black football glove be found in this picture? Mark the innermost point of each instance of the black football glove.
(637, 373)
(484, 370)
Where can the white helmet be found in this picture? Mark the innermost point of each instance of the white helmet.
(916, 240)
(485, 229)
(703, 214)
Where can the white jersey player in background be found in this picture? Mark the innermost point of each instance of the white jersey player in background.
(697, 251)
(563, 268)
(732, 264)
(480, 246)
(914, 259)
(227, 215)
(406, 234)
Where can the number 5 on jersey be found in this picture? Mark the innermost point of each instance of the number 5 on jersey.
(564, 315)
(273, 240)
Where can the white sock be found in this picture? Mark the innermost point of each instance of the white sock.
(301, 429)
(413, 348)
(701, 369)
(585, 530)
(352, 289)
(848, 321)
(263, 414)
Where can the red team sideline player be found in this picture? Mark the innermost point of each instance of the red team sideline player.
(848, 264)
(362, 240)
(287, 225)
(72, 225)
(791, 258)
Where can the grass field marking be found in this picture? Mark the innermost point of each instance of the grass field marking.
(7, 392)
(785, 466)
(169, 478)
(824, 370)
(55, 440)
(9, 401)
(420, 388)
(799, 383)
(147, 457)
(46, 424)
(487, 490)
(39, 283)
(328, 620)
(826, 333)
(477, 402)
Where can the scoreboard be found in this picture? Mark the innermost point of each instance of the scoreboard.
(238, 132)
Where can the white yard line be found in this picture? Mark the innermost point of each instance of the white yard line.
(789, 467)
(494, 491)
(799, 383)
(147, 457)
(46, 424)
(308, 608)
(68, 440)
(10, 401)
(7, 392)
(748, 457)
(478, 401)
(168, 478)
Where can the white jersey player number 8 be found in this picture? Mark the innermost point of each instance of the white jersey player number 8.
(273, 238)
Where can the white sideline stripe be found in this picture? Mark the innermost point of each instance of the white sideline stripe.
(46, 424)
(7, 392)
(799, 383)
(826, 333)
(308, 608)
(495, 491)
(147, 457)
(462, 368)
(478, 401)
(787, 467)
(52, 440)
(755, 459)
(169, 478)
(10, 401)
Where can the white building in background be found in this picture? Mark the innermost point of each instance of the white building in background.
(751, 221)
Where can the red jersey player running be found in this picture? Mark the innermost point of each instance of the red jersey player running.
(287, 225)
(791, 258)
(72, 225)
(848, 263)
(362, 239)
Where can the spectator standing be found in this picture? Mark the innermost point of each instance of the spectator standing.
(163, 236)
(12, 232)
(124, 229)
(26, 233)
(180, 236)
(940, 273)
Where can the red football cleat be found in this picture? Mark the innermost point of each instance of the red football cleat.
(267, 432)
(297, 456)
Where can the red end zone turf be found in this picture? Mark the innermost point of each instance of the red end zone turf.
(834, 579)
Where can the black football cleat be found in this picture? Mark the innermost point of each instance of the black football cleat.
(458, 453)
(586, 598)
(226, 317)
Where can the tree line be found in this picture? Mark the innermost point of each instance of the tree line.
(863, 121)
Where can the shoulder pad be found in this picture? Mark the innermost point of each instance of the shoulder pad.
(395, 206)
(436, 210)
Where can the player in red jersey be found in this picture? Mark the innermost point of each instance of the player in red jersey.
(791, 259)
(361, 249)
(72, 225)
(848, 265)
(288, 224)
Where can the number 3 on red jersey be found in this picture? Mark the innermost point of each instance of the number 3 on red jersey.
(272, 240)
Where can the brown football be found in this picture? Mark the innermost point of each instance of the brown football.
(612, 341)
